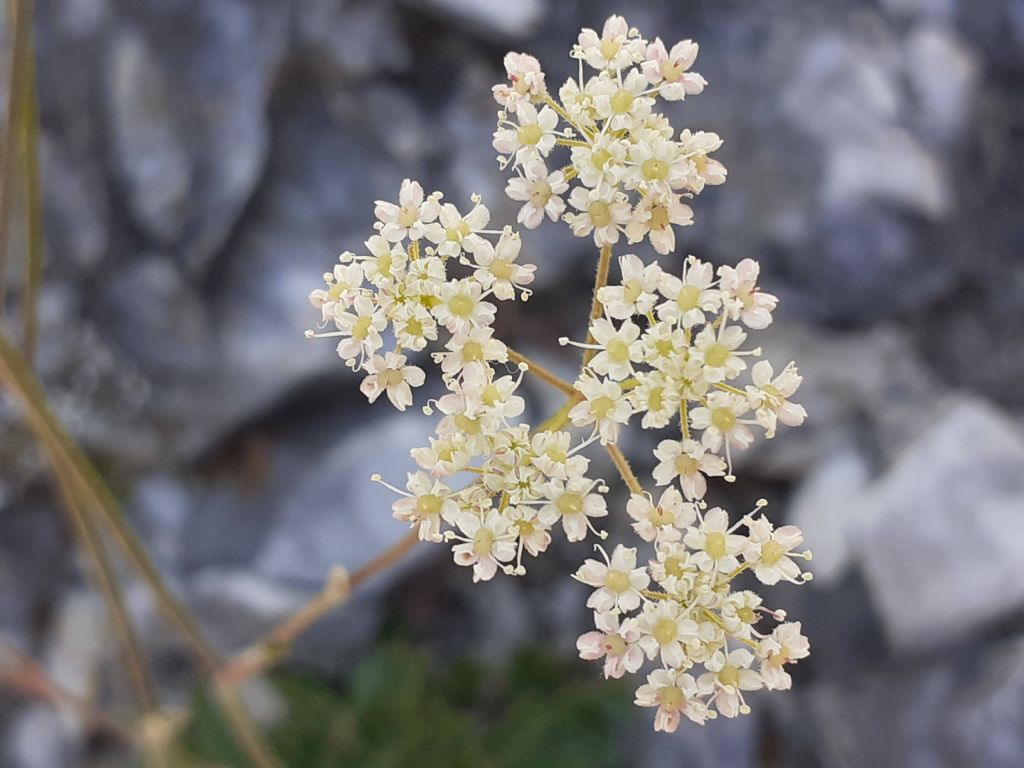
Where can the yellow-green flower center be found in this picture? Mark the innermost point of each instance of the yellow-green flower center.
(529, 135)
(482, 542)
(771, 552)
(461, 305)
(616, 581)
(686, 465)
(622, 101)
(688, 298)
(654, 169)
(729, 675)
(540, 193)
(600, 213)
(717, 355)
(614, 645)
(361, 327)
(671, 698)
(665, 631)
(618, 350)
(569, 503)
(428, 504)
(723, 419)
(714, 545)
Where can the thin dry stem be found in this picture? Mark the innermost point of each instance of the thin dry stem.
(600, 281)
(27, 676)
(16, 375)
(625, 471)
(543, 373)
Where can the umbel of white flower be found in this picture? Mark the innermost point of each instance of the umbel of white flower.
(668, 347)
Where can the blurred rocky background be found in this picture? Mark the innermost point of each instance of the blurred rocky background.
(205, 160)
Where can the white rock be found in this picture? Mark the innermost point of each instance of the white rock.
(826, 508)
(512, 18)
(938, 543)
(943, 75)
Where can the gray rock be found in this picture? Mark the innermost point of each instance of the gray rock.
(717, 743)
(332, 513)
(358, 40)
(826, 507)
(152, 160)
(943, 76)
(187, 115)
(869, 389)
(933, 543)
(958, 712)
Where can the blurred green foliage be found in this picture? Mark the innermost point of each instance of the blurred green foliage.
(398, 711)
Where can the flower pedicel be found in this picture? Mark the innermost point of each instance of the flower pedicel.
(668, 347)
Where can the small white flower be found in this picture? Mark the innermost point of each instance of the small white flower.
(620, 348)
(721, 422)
(414, 326)
(342, 288)
(618, 581)
(717, 352)
(665, 629)
(550, 452)
(770, 397)
(390, 374)
(604, 404)
(690, 462)
(454, 233)
(362, 327)
(539, 191)
(428, 504)
(717, 547)
(654, 217)
(784, 645)
(691, 297)
(497, 270)
(669, 69)
(621, 101)
(674, 692)
(771, 551)
(473, 345)
(746, 302)
(657, 397)
(386, 261)
(410, 216)
(614, 49)
(614, 641)
(526, 81)
(531, 137)
(728, 675)
(572, 501)
(635, 292)
(444, 456)
(462, 306)
(486, 544)
(533, 533)
(667, 516)
(602, 213)
(601, 162)
(703, 169)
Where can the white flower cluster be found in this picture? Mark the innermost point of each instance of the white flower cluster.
(708, 636)
(523, 484)
(403, 282)
(628, 169)
(668, 347)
